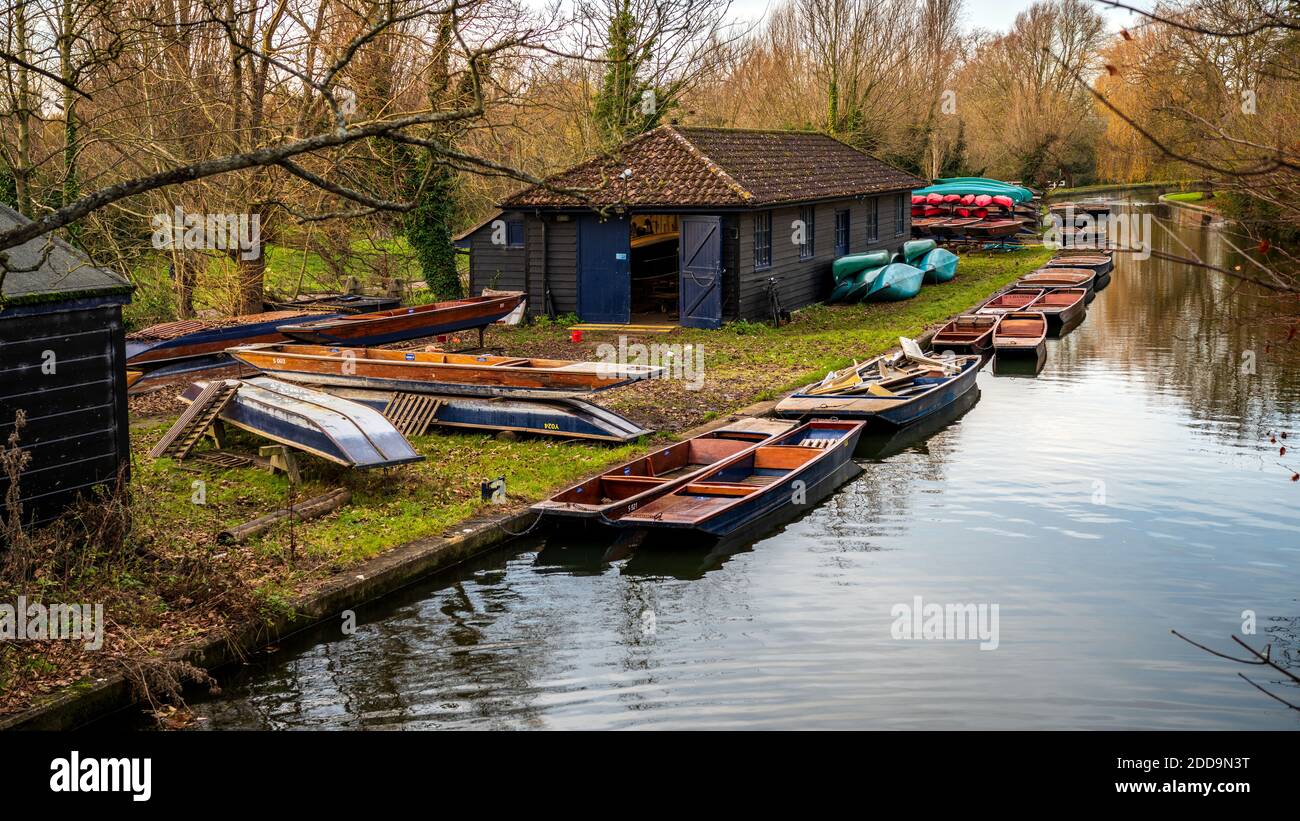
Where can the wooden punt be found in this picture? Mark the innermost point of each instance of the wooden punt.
(993, 228)
(1090, 207)
(890, 402)
(436, 372)
(1062, 306)
(399, 324)
(1049, 278)
(623, 489)
(744, 490)
(1099, 264)
(922, 226)
(172, 342)
(1017, 299)
(1023, 333)
(953, 227)
(970, 333)
(314, 422)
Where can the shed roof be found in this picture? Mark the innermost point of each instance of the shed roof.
(691, 167)
(35, 276)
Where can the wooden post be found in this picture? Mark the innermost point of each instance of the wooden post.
(283, 459)
(217, 430)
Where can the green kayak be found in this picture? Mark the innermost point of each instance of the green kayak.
(917, 248)
(863, 283)
(847, 266)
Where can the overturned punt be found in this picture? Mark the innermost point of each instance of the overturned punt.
(343, 432)
(191, 339)
(436, 372)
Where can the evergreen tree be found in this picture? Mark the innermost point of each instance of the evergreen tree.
(428, 227)
(619, 110)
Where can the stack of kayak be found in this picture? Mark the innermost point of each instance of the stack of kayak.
(879, 277)
(971, 207)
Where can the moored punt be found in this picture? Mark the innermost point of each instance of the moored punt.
(1017, 299)
(1099, 264)
(1048, 278)
(436, 372)
(173, 342)
(314, 422)
(399, 324)
(1090, 207)
(902, 400)
(746, 489)
(623, 489)
(1062, 306)
(1023, 333)
(969, 333)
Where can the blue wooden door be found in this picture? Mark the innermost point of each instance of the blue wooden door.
(604, 281)
(700, 296)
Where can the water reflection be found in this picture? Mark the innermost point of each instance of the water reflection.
(1126, 490)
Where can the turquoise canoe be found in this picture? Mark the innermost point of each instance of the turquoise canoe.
(917, 248)
(977, 185)
(852, 264)
(940, 265)
(896, 281)
(841, 290)
(864, 283)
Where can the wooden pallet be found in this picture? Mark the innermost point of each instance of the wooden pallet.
(224, 460)
(181, 438)
(412, 413)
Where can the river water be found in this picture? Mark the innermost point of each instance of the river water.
(1127, 490)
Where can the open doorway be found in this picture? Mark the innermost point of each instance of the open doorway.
(654, 269)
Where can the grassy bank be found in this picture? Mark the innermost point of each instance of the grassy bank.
(171, 580)
(1101, 188)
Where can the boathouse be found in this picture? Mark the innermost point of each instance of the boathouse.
(685, 224)
(62, 355)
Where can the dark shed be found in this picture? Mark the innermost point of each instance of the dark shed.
(688, 224)
(62, 355)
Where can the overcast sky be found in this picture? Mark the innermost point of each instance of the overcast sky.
(986, 14)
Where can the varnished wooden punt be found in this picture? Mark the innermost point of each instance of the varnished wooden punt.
(384, 327)
(1099, 264)
(436, 372)
(1059, 278)
(745, 489)
(172, 342)
(1021, 333)
(1062, 306)
(623, 489)
(1017, 299)
(971, 333)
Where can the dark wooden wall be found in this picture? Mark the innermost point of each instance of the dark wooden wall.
(76, 431)
(550, 245)
(554, 239)
(804, 282)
